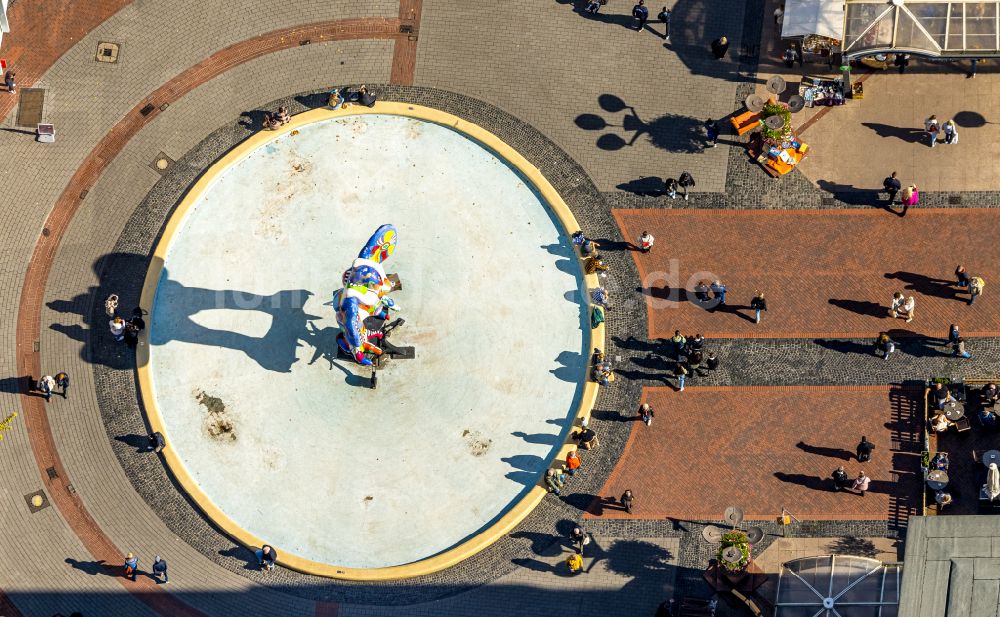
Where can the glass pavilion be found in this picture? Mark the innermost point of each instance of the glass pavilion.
(838, 586)
(935, 28)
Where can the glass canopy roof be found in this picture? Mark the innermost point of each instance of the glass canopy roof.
(942, 28)
(838, 586)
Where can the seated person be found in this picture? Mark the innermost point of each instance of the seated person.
(594, 264)
(589, 247)
(603, 374)
(939, 423)
(701, 292)
(991, 394)
(942, 498)
(600, 297)
(587, 438)
(940, 461)
(696, 343)
(365, 97)
(942, 395)
(987, 418)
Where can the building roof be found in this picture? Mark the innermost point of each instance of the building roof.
(952, 567)
(941, 28)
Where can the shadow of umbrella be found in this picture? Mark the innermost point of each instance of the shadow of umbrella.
(970, 119)
(611, 103)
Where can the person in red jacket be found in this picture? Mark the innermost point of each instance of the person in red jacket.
(572, 462)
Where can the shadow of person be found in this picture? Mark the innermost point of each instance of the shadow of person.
(908, 134)
(139, 442)
(813, 482)
(844, 346)
(94, 568)
(573, 366)
(530, 468)
(542, 544)
(929, 286)
(869, 309)
(838, 453)
(241, 553)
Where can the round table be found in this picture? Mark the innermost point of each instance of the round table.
(937, 479)
(991, 456)
(953, 412)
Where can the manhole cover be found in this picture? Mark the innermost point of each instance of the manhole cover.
(954, 200)
(36, 501)
(107, 52)
(161, 163)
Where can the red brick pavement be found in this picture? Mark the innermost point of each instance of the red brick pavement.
(824, 273)
(709, 448)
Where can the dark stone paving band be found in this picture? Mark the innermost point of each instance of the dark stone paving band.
(123, 272)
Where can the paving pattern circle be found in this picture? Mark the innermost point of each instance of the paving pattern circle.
(287, 440)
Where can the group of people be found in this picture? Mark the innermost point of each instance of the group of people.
(948, 133)
(47, 384)
(910, 195)
(131, 568)
(842, 481)
(973, 284)
(555, 478)
(682, 183)
(691, 358)
(341, 97)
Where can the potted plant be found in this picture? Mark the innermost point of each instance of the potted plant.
(777, 109)
(739, 541)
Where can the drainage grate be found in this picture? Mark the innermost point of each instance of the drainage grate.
(51, 471)
(954, 200)
(406, 29)
(29, 107)
(148, 109)
(107, 52)
(829, 200)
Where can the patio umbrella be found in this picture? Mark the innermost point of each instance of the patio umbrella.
(993, 482)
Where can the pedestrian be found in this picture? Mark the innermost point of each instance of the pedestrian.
(910, 197)
(679, 342)
(959, 349)
(694, 361)
(117, 326)
(579, 539)
(628, 501)
(953, 334)
(131, 565)
(779, 16)
(62, 380)
(646, 241)
(712, 362)
(840, 479)
(897, 303)
(789, 56)
(670, 187)
(719, 47)
(885, 345)
(961, 276)
(266, 557)
(908, 307)
(902, 61)
(696, 343)
(593, 7)
(701, 291)
(646, 414)
(932, 128)
(8, 79)
(554, 481)
(861, 483)
(972, 69)
(641, 14)
(719, 291)
(712, 132)
(572, 462)
(950, 132)
(976, 286)
(681, 373)
(157, 442)
(864, 450)
(45, 385)
(686, 181)
(758, 304)
(160, 567)
(892, 186)
(575, 563)
(664, 18)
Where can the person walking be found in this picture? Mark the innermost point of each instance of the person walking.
(686, 181)
(976, 286)
(719, 291)
(953, 334)
(575, 563)
(679, 341)
(45, 385)
(885, 345)
(864, 450)
(861, 483)
(160, 567)
(840, 479)
(719, 47)
(646, 241)
(950, 132)
(670, 187)
(712, 362)
(960, 350)
(680, 372)
(8, 80)
(573, 462)
(972, 69)
(62, 380)
(910, 197)
(902, 61)
(628, 501)
(932, 128)
(712, 132)
(266, 557)
(646, 414)
(961, 276)
(891, 185)
(909, 306)
(579, 538)
(117, 326)
(131, 566)
(779, 16)
(641, 14)
(758, 304)
(897, 304)
(664, 17)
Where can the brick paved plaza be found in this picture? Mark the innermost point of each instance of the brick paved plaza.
(603, 113)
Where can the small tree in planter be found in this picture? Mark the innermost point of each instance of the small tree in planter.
(739, 540)
(777, 135)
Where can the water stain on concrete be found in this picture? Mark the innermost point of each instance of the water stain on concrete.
(218, 425)
(476, 443)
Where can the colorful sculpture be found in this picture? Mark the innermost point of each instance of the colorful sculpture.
(364, 295)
